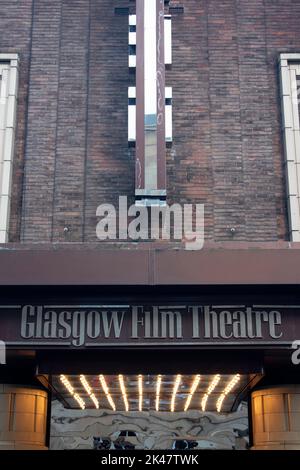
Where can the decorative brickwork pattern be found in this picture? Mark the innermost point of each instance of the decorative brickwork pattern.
(72, 115)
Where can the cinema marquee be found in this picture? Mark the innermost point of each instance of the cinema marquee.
(142, 325)
(94, 320)
(176, 319)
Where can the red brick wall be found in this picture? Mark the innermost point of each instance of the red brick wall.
(72, 114)
(15, 36)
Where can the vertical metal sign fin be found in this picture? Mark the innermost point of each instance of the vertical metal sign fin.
(140, 107)
(150, 100)
(161, 142)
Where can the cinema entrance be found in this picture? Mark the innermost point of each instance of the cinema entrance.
(149, 366)
(136, 374)
(148, 398)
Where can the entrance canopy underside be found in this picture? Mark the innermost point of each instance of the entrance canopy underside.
(144, 393)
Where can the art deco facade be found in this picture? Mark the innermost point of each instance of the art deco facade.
(186, 102)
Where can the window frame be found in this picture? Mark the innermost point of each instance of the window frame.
(9, 73)
(132, 115)
(289, 65)
(167, 41)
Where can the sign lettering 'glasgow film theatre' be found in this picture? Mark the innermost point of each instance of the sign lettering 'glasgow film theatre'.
(88, 326)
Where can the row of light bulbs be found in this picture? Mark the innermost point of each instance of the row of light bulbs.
(89, 391)
(70, 389)
(227, 390)
(209, 390)
(213, 384)
(123, 390)
(106, 392)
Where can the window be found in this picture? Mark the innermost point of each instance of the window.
(168, 39)
(8, 102)
(290, 86)
(132, 40)
(132, 114)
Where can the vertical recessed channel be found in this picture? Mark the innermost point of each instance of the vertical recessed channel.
(150, 101)
(150, 96)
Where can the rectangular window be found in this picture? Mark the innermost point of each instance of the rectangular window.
(132, 40)
(168, 39)
(132, 114)
(168, 117)
(290, 78)
(8, 103)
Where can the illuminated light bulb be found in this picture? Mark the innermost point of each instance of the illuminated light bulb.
(188, 402)
(89, 390)
(111, 402)
(103, 384)
(233, 382)
(140, 381)
(158, 386)
(214, 383)
(204, 401)
(85, 384)
(123, 390)
(70, 389)
(122, 385)
(94, 399)
(175, 389)
(192, 391)
(210, 389)
(106, 392)
(79, 400)
(67, 384)
(220, 402)
(195, 384)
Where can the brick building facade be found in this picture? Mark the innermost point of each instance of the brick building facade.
(71, 146)
(235, 149)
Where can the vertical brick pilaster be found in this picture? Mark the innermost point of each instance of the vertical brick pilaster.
(42, 115)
